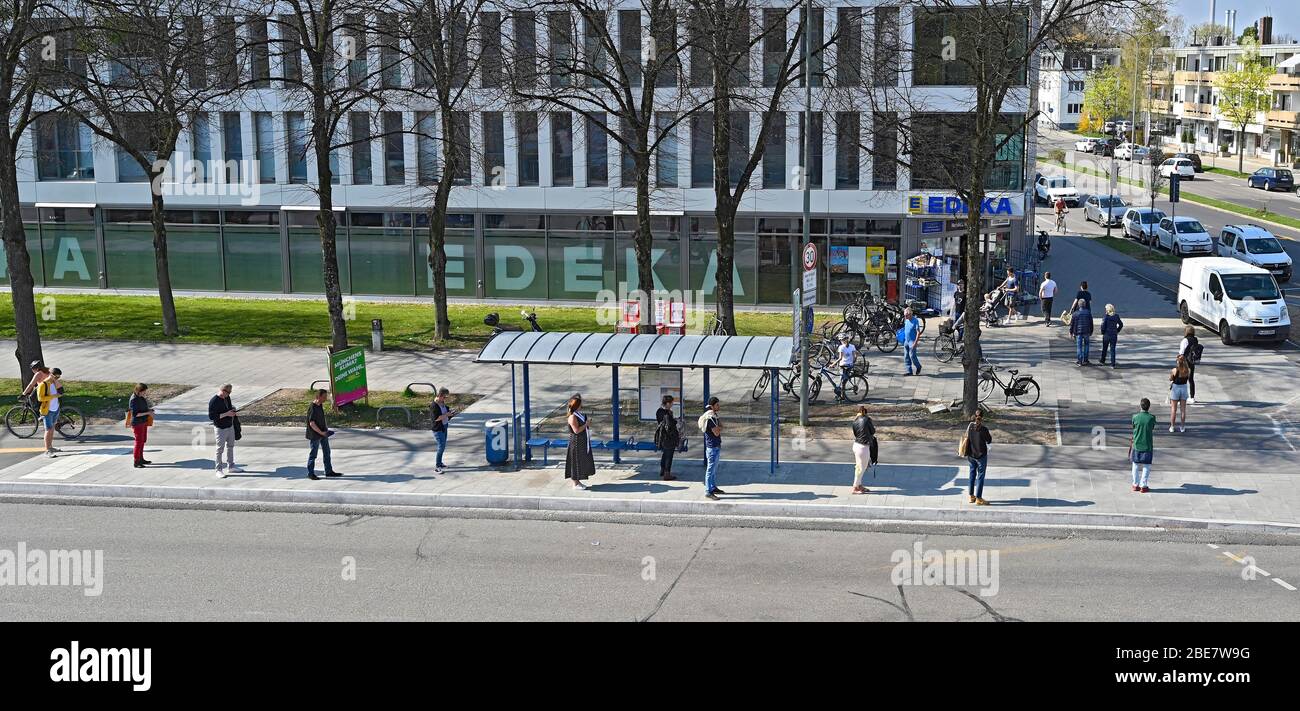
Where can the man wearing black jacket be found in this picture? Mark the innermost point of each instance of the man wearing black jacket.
(224, 420)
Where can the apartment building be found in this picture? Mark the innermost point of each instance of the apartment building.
(545, 210)
(1061, 77)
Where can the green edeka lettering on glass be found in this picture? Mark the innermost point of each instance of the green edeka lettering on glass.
(70, 259)
(503, 255)
(711, 277)
(630, 264)
(455, 265)
(583, 269)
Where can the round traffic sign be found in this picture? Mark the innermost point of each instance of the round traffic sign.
(809, 256)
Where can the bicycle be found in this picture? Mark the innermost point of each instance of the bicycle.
(855, 388)
(24, 419)
(788, 382)
(1023, 388)
(1060, 221)
(717, 329)
(947, 346)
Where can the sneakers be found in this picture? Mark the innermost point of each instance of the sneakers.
(980, 502)
(972, 499)
(1136, 488)
(1190, 401)
(438, 470)
(50, 453)
(221, 473)
(1171, 429)
(1182, 428)
(711, 496)
(1146, 490)
(235, 470)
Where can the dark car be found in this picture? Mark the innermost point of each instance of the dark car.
(1195, 158)
(1106, 147)
(1272, 179)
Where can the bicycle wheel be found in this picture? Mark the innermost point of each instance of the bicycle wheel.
(856, 389)
(21, 421)
(945, 349)
(886, 341)
(985, 387)
(761, 386)
(70, 424)
(1030, 394)
(814, 389)
(921, 327)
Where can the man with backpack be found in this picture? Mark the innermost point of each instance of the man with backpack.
(1191, 348)
(666, 438)
(712, 429)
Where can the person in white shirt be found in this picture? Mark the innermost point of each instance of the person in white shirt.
(1046, 291)
(848, 356)
(1186, 348)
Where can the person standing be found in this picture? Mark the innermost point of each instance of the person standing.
(47, 394)
(1046, 292)
(578, 462)
(1081, 328)
(1011, 292)
(1111, 325)
(1178, 393)
(441, 415)
(141, 414)
(911, 334)
(319, 433)
(1084, 294)
(222, 414)
(712, 428)
(978, 440)
(39, 373)
(1190, 348)
(1143, 448)
(667, 437)
(864, 448)
(848, 356)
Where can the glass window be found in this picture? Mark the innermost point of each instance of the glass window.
(561, 148)
(232, 149)
(561, 53)
(665, 251)
(394, 149)
(459, 146)
(774, 44)
(627, 158)
(817, 37)
(666, 152)
(200, 148)
(306, 258)
(63, 149)
(259, 52)
(582, 264)
(526, 140)
(494, 148)
(848, 46)
(382, 258)
(886, 47)
(597, 152)
(459, 246)
(290, 49)
(515, 261)
(884, 151)
(967, 27)
(593, 45)
(702, 150)
(136, 133)
(490, 52)
(361, 160)
(426, 147)
(295, 126)
(663, 27)
(814, 168)
(390, 56)
(937, 137)
(847, 132)
(354, 29)
(774, 154)
(525, 33)
(69, 250)
(264, 135)
(703, 260)
(699, 36)
(629, 44)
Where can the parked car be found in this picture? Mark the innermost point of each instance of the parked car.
(1255, 245)
(1140, 223)
(1050, 187)
(1104, 209)
(1085, 144)
(1184, 235)
(1240, 301)
(1124, 126)
(1108, 127)
(1124, 151)
(1148, 156)
(1195, 158)
(1106, 146)
(1272, 179)
(1181, 166)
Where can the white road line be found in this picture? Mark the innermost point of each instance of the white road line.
(1212, 546)
(1056, 413)
(1284, 584)
(1230, 555)
(1260, 571)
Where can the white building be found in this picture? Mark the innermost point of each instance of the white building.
(1061, 77)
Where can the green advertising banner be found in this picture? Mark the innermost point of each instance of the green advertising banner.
(348, 375)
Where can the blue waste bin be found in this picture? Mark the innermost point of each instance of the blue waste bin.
(496, 440)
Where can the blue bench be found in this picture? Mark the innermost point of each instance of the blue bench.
(642, 446)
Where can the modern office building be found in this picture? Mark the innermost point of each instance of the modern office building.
(546, 208)
(1061, 77)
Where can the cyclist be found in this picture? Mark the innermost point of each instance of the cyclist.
(848, 356)
(48, 391)
(39, 373)
(1044, 243)
(1060, 214)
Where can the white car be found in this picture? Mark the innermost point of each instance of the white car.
(1050, 187)
(1124, 151)
(1181, 166)
(1240, 301)
(1140, 223)
(1085, 144)
(1184, 235)
(1256, 246)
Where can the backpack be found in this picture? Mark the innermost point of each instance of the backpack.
(1194, 350)
(665, 435)
(703, 422)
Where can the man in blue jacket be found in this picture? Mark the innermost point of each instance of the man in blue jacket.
(1081, 329)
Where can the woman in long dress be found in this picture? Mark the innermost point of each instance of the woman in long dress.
(578, 462)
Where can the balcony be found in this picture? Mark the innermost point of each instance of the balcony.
(1194, 78)
(1163, 77)
(1282, 119)
(1160, 106)
(1284, 82)
(1202, 111)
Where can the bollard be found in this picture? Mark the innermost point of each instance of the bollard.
(377, 335)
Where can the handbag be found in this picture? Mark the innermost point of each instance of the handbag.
(963, 447)
(238, 430)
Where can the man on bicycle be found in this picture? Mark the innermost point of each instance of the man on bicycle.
(848, 356)
(39, 373)
(1060, 214)
(48, 391)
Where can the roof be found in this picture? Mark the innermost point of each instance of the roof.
(645, 349)
(1250, 230)
(1224, 264)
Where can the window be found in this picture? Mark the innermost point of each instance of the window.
(666, 153)
(264, 138)
(426, 148)
(812, 167)
(663, 27)
(494, 148)
(355, 51)
(774, 154)
(593, 48)
(939, 137)
(458, 148)
(259, 52)
(885, 49)
(560, 32)
(561, 148)
(774, 44)
(933, 66)
(702, 150)
(390, 56)
(738, 148)
(362, 173)
(1076, 85)
(597, 151)
(700, 39)
(848, 45)
(225, 63)
(817, 36)
(526, 147)
(629, 44)
(490, 51)
(847, 130)
(290, 49)
(884, 151)
(137, 134)
(394, 149)
(232, 149)
(295, 127)
(627, 159)
(63, 149)
(201, 148)
(525, 27)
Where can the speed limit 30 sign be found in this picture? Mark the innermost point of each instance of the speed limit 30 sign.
(809, 257)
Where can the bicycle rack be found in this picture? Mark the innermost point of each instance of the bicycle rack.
(432, 388)
(314, 382)
(399, 408)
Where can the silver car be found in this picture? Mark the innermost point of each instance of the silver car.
(1104, 209)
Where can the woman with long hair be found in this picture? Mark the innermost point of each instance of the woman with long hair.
(1178, 393)
(578, 462)
(864, 442)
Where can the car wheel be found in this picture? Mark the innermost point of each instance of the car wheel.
(1178, 252)
(1224, 334)
(1184, 313)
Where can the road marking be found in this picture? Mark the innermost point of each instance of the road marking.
(1212, 546)
(1284, 584)
(23, 450)
(66, 467)
(1230, 555)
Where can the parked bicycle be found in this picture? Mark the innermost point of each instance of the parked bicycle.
(1023, 388)
(24, 419)
(855, 388)
(788, 382)
(947, 346)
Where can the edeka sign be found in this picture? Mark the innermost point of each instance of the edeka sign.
(348, 375)
(952, 205)
(514, 268)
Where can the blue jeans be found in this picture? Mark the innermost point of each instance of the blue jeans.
(712, 457)
(1081, 343)
(324, 445)
(977, 468)
(1108, 345)
(441, 437)
(909, 357)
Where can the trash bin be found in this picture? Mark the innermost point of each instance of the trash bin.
(496, 440)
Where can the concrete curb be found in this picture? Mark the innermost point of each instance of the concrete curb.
(564, 508)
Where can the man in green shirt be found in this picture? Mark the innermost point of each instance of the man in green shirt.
(1143, 447)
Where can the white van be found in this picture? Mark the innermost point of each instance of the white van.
(1240, 301)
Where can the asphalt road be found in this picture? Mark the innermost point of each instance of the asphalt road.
(206, 565)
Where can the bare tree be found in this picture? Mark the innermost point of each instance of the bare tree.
(21, 43)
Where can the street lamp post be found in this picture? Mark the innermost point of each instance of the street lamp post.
(807, 205)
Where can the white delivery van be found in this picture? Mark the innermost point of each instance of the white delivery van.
(1240, 301)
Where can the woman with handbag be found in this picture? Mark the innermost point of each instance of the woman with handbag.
(864, 448)
(975, 448)
(667, 437)
(139, 418)
(578, 462)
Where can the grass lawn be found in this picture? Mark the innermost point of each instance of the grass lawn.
(289, 407)
(1228, 172)
(101, 403)
(1133, 249)
(306, 323)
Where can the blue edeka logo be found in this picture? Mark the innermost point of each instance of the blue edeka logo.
(952, 205)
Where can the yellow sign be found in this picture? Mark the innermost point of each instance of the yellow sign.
(914, 204)
(875, 260)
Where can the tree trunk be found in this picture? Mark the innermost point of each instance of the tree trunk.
(438, 256)
(328, 225)
(974, 277)
(1241, 146)
(644, 241)
(26, 331)
(171, 328)
(726, 216)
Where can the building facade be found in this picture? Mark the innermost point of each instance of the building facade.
(545, 210)
(1061, 77)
